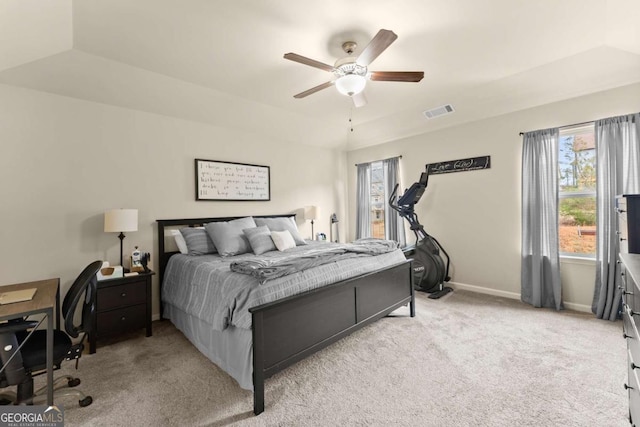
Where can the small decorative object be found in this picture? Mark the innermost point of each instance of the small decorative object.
(310, 214)
(144, 260)
(333, 219)
(119, 221)
(109, 272)
(460, 165)
(231, 181)
(321, 237)
(136, 260)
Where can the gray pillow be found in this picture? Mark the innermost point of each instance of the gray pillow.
(282, 224)
(228, 237)
(198, 241)
(260, 239)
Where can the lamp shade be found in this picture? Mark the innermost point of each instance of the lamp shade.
(119, 220)
(351, 84)
(310, 213)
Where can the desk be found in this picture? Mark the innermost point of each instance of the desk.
(47, 297)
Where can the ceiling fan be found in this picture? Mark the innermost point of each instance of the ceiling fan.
(351, 73)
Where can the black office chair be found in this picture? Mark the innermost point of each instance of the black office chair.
(32, 358)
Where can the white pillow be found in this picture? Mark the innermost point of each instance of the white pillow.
(180, 242)
(282, 224)
(283, 240)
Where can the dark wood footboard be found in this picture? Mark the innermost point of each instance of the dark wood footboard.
(288, 330)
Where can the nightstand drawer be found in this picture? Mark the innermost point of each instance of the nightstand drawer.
(121, 296)
(125, 319)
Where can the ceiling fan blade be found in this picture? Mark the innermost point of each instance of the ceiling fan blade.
(359, 100)
(376, 46)
(307, 61)
(397, 76)
(313, 90)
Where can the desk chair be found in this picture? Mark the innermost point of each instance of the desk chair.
(31, 361)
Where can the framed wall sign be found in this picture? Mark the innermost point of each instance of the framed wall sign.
(460, 165)
(216, 180)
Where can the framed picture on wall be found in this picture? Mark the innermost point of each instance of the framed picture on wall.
(230, 181)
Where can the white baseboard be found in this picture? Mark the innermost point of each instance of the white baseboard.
(578, 307)
(155, 316)
(512, 295)
(483, 290)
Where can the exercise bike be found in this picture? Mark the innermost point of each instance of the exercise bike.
(429, 269)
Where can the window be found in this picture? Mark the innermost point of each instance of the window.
(375, 182)
(377, 203)
(577, 192)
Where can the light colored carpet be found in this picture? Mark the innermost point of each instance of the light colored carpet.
(465, 360)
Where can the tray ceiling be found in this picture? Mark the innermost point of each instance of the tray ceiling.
(220, 62)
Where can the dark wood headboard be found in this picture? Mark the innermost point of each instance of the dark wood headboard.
(163, 255)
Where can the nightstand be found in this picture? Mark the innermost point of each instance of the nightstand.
(122, 305)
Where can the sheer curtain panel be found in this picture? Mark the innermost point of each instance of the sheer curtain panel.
(617, 172)
(540, 282)
(363, 197)
(393, 224)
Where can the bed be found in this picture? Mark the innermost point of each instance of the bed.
(252, 337)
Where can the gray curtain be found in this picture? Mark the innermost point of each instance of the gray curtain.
(540, 281)
(363, 200)
(393, 224)
(617, 172)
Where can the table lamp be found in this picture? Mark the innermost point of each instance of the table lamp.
(119, 221)
(310, 214)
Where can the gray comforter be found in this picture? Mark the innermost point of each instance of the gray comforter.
(204, 286)
(265, 269)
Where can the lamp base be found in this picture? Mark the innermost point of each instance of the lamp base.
(121, 236)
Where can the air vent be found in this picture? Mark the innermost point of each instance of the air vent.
(439, 111)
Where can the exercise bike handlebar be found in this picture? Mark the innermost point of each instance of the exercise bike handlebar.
(405, 208)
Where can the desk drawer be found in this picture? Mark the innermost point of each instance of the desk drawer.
(125, 319)
(122, 296)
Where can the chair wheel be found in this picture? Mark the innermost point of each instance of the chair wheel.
(86, 401)
(73, 382)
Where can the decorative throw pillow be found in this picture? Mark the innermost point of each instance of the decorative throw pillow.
(180, 242)
(228, 237)
(283, 240)
(259, 239)
(198, 241)
(282, 224)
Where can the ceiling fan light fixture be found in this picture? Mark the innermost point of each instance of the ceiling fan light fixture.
(351, 84)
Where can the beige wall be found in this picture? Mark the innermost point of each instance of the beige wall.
(64, 161)
(476, 215)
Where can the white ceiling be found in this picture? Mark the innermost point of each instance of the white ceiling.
(220, 62)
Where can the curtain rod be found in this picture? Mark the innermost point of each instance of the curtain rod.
(381, 160)
(569, 126)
